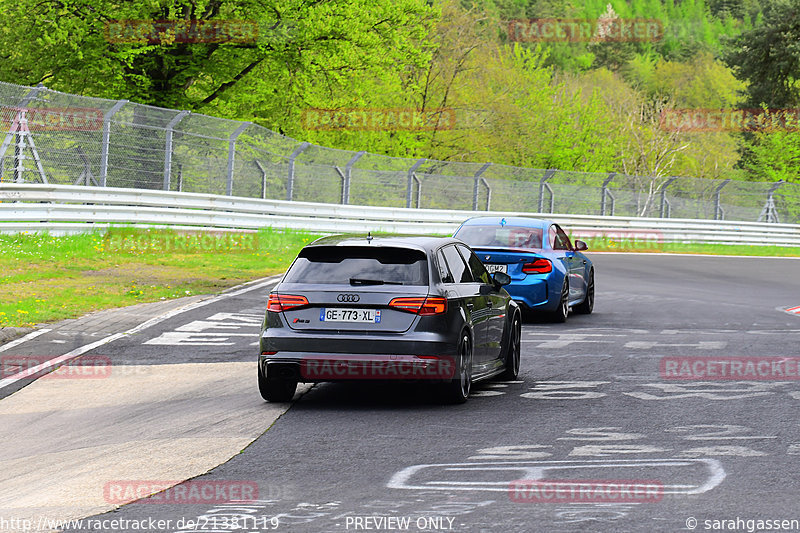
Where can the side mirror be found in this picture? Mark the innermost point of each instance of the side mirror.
(501, 279)
(580, 246)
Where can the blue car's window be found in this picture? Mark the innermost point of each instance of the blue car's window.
(340, 265)
(502, 236)
(561, 240)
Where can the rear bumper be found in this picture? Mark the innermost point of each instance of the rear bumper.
(533, 293)
(317, 357)
(314, 368)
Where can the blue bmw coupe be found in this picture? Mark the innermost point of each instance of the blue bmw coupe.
(548, 274)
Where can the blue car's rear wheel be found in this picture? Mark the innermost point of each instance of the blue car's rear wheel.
(561, 312)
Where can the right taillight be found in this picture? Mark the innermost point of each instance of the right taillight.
(284, 302)
(537, 266)
(420, 306)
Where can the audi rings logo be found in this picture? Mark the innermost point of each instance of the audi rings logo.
(352, 298)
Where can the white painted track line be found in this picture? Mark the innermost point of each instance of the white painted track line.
(6, 382)
(29, 336)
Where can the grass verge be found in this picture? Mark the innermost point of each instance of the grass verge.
(46, 278)
(610, 245)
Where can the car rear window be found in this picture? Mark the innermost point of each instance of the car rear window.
(340, 264)
(505, 236)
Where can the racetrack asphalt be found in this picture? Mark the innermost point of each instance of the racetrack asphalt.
(178, 400)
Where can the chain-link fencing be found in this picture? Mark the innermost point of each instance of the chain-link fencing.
(53, 137)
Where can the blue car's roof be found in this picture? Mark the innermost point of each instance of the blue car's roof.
(509, 221)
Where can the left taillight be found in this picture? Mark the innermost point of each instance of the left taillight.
(420, 306)
(537, 266)
(284, 302)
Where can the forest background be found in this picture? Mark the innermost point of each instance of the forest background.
(592, 105)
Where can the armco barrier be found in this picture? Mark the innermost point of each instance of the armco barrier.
(72, 209)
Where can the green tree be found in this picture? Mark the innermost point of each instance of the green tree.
(701, 82)
(300, 46)
(768, 57)
(775, 152)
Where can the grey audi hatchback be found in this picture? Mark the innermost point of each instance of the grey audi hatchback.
(388, 308)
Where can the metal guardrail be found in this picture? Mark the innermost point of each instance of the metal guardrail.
(75, 209)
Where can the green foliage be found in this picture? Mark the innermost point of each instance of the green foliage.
(299, 47)
(768, 57)
(580, 106)
(775, 153)
(701, 82)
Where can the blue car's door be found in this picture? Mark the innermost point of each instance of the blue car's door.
(574, 263)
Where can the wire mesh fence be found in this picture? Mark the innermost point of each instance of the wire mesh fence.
(53, 137)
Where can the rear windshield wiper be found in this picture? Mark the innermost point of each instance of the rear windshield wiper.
(361, 281)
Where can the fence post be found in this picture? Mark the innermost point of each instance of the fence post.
(666, 208)
(606, 193)
(168, 148)
(290, 180)
(549, 173)
(106, 138)
(770, 212)
(344, 181)
(410, 184)
(719, 213)
(22, 104)
(488, 193)
(348, 170)
(232, 154)
(263, 179)
(477, 177)
(85, 176)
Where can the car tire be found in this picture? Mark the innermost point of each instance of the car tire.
(587, 305)
(512, 358)
(560, 314)
(276, 389)
(457, 389)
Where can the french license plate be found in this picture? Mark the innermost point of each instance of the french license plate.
(350, 314)
(496, 268)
